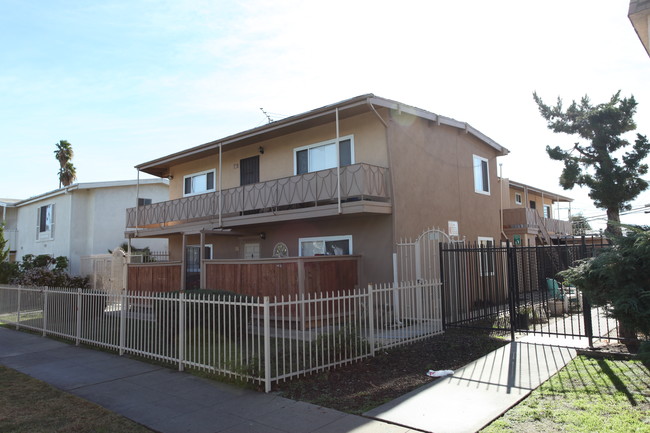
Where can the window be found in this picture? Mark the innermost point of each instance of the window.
(518, 198)
(481, 175)
(193, 257)
(547, 211)
(533, 204)
(45, 222)
(326, 246)
(487, 255)
(199, 183)
(144, 201)
(321, 156)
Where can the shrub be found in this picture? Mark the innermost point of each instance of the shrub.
(619, 279)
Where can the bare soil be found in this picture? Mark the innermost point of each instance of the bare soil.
(359, 387)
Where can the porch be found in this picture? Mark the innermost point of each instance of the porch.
(525, 221)
(363, 188)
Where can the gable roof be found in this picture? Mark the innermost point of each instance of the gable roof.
(319, 116)
(82, 186)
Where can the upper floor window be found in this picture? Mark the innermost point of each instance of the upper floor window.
(547, 211)
(481, 175)
(321, 156)
(518, 199)
(45, 222)
(144, 201)
(326, 246)
(199, 183)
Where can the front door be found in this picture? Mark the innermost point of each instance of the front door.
(193, 265)
(249, 170)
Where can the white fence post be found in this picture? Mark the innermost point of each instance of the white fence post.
(371, 319)
(44, 292)
(78, 333)
(267, 345)
(123, 299)
(181, 331)
(18, 312)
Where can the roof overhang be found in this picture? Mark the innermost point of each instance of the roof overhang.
(348, 108)
(553, 196)
(639, 15)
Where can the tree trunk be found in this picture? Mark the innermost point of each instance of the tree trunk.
(613, 221)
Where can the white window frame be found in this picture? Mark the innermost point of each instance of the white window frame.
(48, 233)
(320, 144)
(477, 165)
(201, 173)
(546, 214)
(518, 198)
(482, 242)
(324, 239)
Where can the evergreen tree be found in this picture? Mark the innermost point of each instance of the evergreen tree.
(613, 177)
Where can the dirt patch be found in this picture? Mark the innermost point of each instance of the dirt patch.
(359, 387)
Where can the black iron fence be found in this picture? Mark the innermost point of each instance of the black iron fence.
(517, 289)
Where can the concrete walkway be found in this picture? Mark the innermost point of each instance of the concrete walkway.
(165, 400)
(481, 391)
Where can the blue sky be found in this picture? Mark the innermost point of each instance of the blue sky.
(130, 81)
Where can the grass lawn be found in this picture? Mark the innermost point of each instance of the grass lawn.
(588, 395)
(29, 405)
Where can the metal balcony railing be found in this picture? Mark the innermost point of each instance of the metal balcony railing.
(358, 182)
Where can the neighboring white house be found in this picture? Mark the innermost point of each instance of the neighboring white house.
(79, 220)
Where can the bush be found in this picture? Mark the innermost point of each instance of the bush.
(45, 271)
(619, 279)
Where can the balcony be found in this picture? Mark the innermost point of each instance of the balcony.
(359, 182)
(528, 221)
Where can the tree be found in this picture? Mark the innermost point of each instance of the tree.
(4, 250)
(579, 225)
(614, 181)
(67, 171)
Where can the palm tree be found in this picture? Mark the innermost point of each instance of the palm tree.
(63, 154)
(67, 174)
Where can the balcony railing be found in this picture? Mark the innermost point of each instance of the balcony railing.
(358, 182)
(529, 219)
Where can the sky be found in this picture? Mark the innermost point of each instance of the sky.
(127, 82)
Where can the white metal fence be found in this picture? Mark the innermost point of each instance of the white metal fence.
(262, 340)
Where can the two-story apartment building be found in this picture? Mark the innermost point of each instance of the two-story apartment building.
(531, 215)
(351, 178)
(78, 220)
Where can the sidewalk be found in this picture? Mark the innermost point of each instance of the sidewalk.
(165, 400)
(481, 391)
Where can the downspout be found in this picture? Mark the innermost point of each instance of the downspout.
(220, 179)
(503, 233)
(338, 162)
(137, 203)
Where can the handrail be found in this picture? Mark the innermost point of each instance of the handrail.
(362, 181)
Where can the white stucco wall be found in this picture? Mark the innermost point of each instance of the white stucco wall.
(87, 221)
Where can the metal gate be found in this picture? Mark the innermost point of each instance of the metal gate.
(415, 263)
(420, 259)
(515, 289)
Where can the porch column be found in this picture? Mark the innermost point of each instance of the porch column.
(183, 261)
(202, 256)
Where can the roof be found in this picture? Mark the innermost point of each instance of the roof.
(319, 116)
(639, 15)
(84, 186)
(552, 195)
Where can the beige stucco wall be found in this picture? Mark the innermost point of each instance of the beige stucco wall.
(525, 202)
(371, 238)
(433, 180)
(278, 158)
